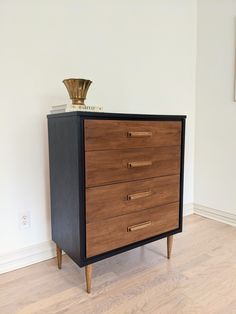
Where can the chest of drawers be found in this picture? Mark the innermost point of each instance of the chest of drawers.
(116, 183)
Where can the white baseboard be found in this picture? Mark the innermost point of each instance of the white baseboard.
(215, 214)
(27, 256)
(188, 209)
(46, 250)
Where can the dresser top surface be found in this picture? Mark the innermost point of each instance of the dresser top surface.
(111, 115)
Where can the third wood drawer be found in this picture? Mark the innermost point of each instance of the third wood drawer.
(123, 198)
(107, 167)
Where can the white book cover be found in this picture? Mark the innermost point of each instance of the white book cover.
(70, 107)
(59, 106)
(83, 108)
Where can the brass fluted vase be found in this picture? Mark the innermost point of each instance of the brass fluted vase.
(77, 89)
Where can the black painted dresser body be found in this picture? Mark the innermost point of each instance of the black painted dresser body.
(116, 181)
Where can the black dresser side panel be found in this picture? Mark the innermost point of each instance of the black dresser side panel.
(64, 183)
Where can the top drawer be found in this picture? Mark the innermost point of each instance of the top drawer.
(117, 134)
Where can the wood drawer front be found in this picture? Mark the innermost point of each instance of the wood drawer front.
(124, 198)
(116, 134)
(104, 236)
(103, 167)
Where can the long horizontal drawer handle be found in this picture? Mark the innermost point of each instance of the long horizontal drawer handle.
(136, 164)
(139, 226)
(135, 196)
(139, 134)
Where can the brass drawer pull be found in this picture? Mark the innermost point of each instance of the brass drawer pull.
(131, 197)
(136, 164)
(139, 134)
(139, 226)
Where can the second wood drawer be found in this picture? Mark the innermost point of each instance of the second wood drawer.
(105, 167)
(104, 236)
(123, 198)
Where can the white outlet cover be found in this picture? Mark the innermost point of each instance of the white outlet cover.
(24, 219)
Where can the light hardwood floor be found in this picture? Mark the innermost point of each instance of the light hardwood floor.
(199, 278)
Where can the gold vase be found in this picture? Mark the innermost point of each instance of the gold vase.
(77, 89)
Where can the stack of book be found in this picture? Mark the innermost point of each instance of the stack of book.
(67, 108)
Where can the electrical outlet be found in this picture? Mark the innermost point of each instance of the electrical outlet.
(24, 220)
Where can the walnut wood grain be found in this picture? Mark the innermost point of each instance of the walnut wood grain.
(113, 233)
(103, 167)
(116, 134)
(123, 198)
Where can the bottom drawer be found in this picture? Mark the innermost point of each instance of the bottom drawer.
(109, 234)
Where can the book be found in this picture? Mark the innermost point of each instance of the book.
(57, 111)
(56, 107)
(70, 107)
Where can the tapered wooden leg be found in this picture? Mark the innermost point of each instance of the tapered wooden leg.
(88, 274)
(59, 257)
(169, 245)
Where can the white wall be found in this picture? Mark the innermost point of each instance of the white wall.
(141, 57)
(215, 167)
